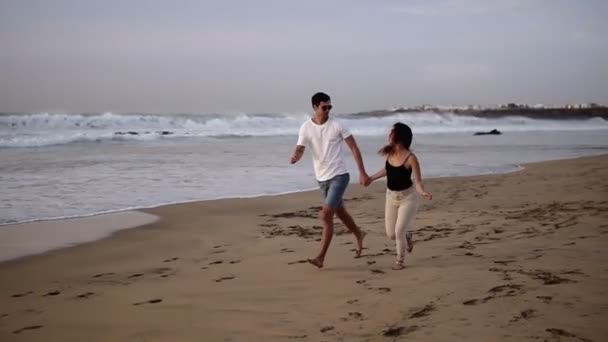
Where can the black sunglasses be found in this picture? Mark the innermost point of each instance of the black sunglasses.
(326, 107)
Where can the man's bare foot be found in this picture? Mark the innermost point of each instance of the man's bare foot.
(316, 262)
(359, 249)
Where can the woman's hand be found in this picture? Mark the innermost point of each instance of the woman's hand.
(425, 194)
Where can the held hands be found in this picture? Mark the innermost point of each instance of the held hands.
(364, 179)
(367, 182)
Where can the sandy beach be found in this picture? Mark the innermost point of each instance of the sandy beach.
(511, 257)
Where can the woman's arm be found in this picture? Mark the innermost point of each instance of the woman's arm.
(415, 166)
(381, 173)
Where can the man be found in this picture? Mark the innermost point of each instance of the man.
(325, 138)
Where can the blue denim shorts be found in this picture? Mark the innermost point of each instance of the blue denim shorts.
(333, 190)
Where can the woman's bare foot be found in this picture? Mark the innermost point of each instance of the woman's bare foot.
(410, 242)
(316, 262)
(399, 265)
(359, 249)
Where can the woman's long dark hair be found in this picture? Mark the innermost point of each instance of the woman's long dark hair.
(402, 135)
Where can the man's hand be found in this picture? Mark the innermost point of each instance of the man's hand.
(297, 154)
(364, 179)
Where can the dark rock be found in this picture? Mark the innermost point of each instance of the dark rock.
(492, 132)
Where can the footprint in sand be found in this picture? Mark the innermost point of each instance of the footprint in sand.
(353, 316)
(151, 301)
(467, 245)
(136, 275)
(504, 262)
(162, 271)
(422, 312)
(216, 262)
(381, 289)
(296, 337)
(103, 274)
(171, 259)
(476, 301)
(85, 295)
(218, 280)
(556, 333)
(507, 290)
(546, 277)
(545, 299)
(31, 327)
(297, 262)
(526, 314)
(377, 271)
(234, 262)
(19, 295)
(326, 329)
(287, 250)
(473, 255)
(395, 330)
(371, 262)
(52, 293)
(352, 301)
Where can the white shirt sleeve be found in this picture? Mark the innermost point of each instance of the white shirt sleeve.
(344, 132)
(302, 136)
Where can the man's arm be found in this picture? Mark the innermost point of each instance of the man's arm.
(352, 144)
(297, 154)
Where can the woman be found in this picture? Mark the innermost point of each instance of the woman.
(402, 199)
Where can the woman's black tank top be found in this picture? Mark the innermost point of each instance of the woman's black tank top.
(398, 178)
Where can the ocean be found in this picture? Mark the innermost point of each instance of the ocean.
(67, 165)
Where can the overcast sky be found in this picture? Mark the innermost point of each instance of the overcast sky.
(201, 56)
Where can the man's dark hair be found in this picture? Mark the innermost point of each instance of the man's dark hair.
(318, 98)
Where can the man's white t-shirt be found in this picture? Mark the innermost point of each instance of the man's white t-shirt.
(326, 142)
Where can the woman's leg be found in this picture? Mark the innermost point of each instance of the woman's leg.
(405, 220)
(390, 215)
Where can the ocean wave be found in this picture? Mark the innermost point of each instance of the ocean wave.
(45, 129)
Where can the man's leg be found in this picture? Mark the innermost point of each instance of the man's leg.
(333, 190)
(348, 221)
(327, 217)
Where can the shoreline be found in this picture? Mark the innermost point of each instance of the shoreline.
(517, 168)
(121, 223)
(498, 258)
(100, 232)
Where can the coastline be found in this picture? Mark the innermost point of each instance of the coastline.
(104, 224)
(493, 113)
(499, 257)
